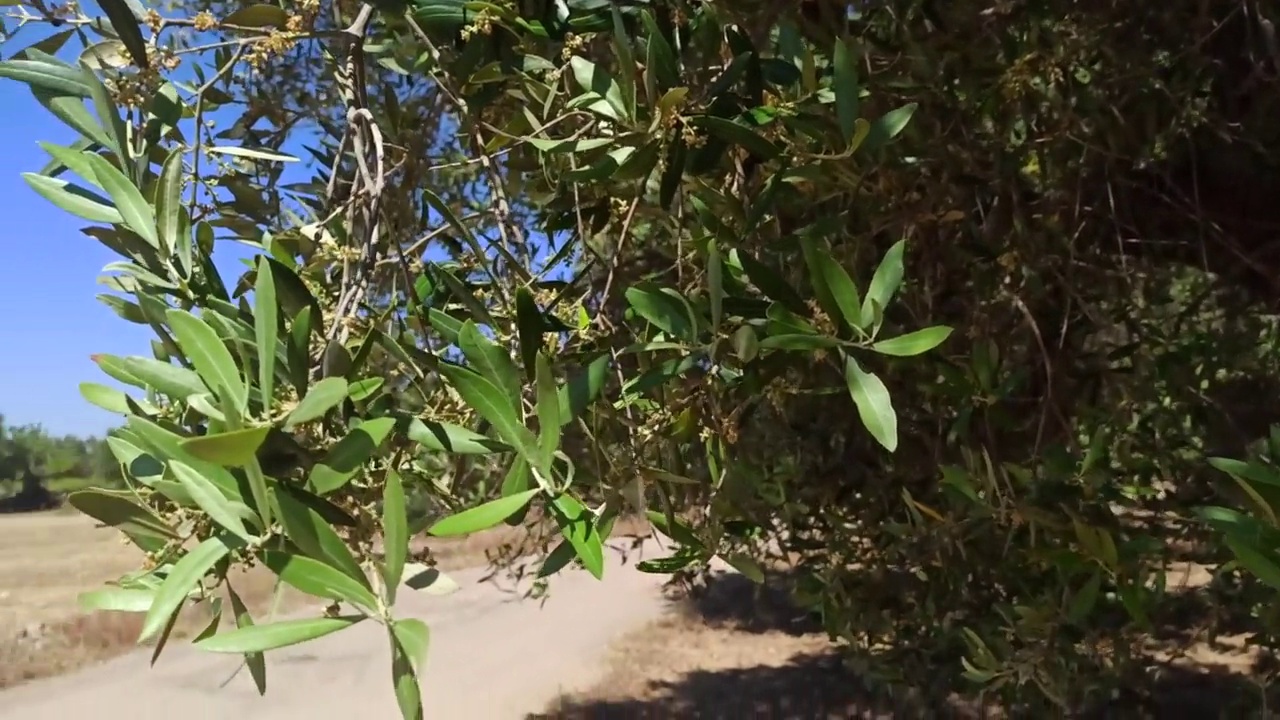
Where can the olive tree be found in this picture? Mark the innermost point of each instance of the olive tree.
(395, 325)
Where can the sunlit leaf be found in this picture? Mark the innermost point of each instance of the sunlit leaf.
(364, 389)
(70, 158)
(107, 398)
(210, 356)
(745, 343)
(395, 531)
(913, 343)
(875, 407)
(486, 358)
(181, 580)
(55, 77)
(404, 677)
(843, 291)
(483, 516)
(210, 499)
(319, 400)
(235, 448)
(594, 78)
(134, 209)
(252, 154)
(1253, 471)
(579, 527)
(168, 202)
(316, 578)
(273, 636)
(446, 437)
(74, 199)
(414, 637)
(1262, 564)
(888, 127)
(117, 599)
(266, 326)
(165, 378)
(308, 522)
(885, 282)
(493, 405)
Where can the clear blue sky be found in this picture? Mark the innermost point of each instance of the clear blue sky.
(48, 275)
(48, 281)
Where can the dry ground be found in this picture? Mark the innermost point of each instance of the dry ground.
(732, 652)
(738, 652)
(49, 558)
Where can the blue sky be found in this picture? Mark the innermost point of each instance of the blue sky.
(48, 280)
(48, 276)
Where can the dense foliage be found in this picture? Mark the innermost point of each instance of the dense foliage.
(701, 260)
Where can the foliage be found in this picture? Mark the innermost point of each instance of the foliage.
(30, 455)
(696, 259)
(304, 392)
(1251, 535)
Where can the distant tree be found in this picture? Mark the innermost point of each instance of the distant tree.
(102, 464)
(30, 456)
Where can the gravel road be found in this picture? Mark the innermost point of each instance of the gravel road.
(492, 656)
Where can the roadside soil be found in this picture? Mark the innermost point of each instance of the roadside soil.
(49, 558)
(493, 655)
(622, 648)
(738, 651)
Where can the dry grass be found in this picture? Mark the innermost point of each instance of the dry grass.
(48, 559)
(43, 632)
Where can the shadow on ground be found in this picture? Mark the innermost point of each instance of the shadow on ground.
(733, 601)
(815, 687)
(810, 687)
(653, 678)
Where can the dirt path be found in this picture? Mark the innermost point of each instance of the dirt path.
(492, 656)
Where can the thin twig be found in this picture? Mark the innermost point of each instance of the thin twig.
(511, 233)
(200, 91)
(617, 257)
